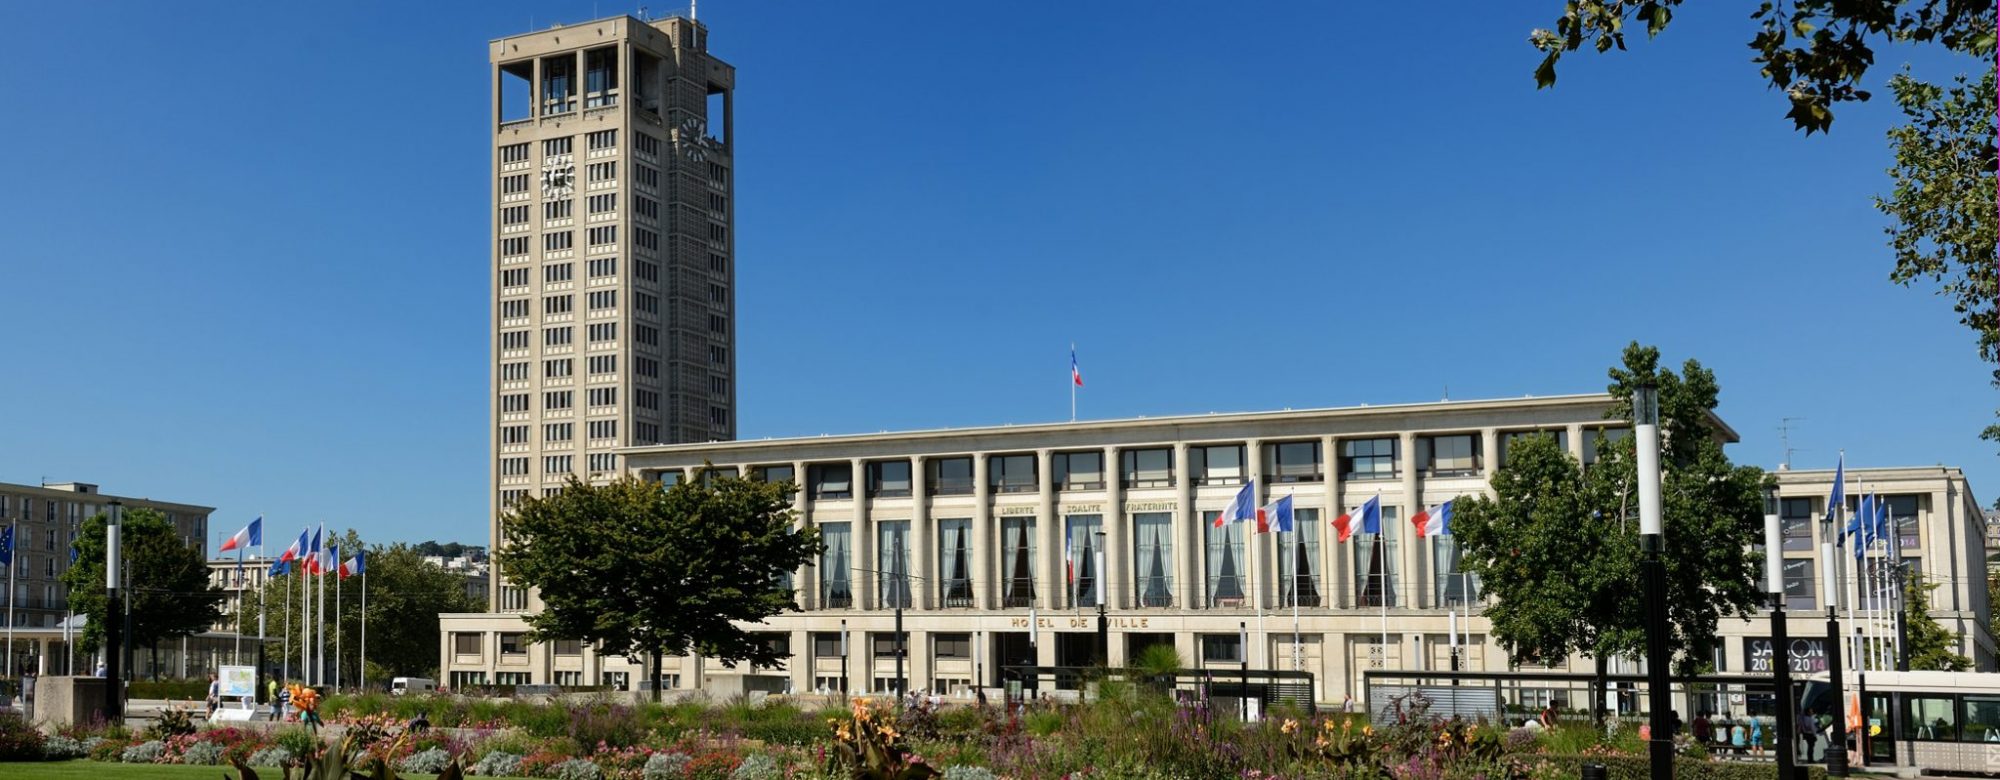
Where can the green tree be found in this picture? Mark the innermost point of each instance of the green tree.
(405, 596)
(641, 570)
(1929, 645)
(167, 578)
(1557, 544)
(1816, 51)
(1942, 211)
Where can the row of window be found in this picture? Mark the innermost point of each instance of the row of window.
(1284, 462)
(558, 273)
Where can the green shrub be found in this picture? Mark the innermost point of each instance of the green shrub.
(148, 752)
(60, 747)
(19, 739)
(298, 741)
(271, 756)
(665, 766)
(577, 769)
(429, 761)
(498, 762)
(1042, 723)
(1639, 768)
(203, 754)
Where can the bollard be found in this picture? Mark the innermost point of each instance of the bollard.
(1594, 772)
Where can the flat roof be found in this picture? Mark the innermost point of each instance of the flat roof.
(1284, 415)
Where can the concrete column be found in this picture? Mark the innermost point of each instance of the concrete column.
(1489, 452)
(1575, 434)
(1256, 555)
(1117, 546)
(800, 668)
(1187, 530)
(861, 569)
(1411, 555)
(1055, 592)
(985, 541)
(923, 544)
(809, 573)
(1331, 551)
(917, 659)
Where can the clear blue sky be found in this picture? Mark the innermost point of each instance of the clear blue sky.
(247, 263)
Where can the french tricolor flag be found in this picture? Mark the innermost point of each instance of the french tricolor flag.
(1368, 517)
(297, 549)
(1434, 522)
(252, 535)
(1075, 376)
(1240, 508)
(1276, 514)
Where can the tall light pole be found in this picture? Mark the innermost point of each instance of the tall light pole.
(114, 706)
(1103, 622)
(843, 658)
(1781, 656)
(1652, 543)
(1836, 746)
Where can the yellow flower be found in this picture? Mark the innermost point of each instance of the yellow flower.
(1319, 742)
(1290, 726)
(1368, 730)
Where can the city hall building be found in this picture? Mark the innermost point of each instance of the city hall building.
(997, 542)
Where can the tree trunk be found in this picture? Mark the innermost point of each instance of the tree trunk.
(1597, 691)
(153, 653)
(656, 675)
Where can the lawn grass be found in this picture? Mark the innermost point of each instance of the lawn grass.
(81, 769)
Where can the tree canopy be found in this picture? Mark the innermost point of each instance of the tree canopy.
(1816, 51)
(168, 580)
(1557, 544)
(1931, 646)
(640, 569)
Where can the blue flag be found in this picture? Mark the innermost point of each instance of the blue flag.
(7, 545)
(1838, 497)
(279, 569)
(1862, 526)
(1884, 530)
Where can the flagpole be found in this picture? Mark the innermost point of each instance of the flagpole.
(288, 628)
(319, 651)
(236, 652)
(1072, 381)
(1292, 556)
(338, 656)
(1896, 598)
(363, 667)
(13, 527)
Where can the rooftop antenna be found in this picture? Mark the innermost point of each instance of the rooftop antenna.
(1785, 438)
(1447, 391)
(692, 4)
(642, 13)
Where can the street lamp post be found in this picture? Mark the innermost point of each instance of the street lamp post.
(1103, 622)
(1243, 648)
(843, 657)
(1836, 746)
(114, 706)
(1652, 541)
(1781, 657)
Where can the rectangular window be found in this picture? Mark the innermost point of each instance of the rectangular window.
(892, 563)
(1298, 560)
(603, 364)
(1930, 717)
(604, 331)
(1011, 473)
(514, 153)
(831, 481)
(602, 204)
(558, 146)
(651, 305)
(465, 643)
(557, 400)
(556, 369)
(557, 304)
(601, 139)
(1795, 519)
(603, 396)
(889, 478)
(555, 337)
(951, 645)
(646, 399)
(557, 209)
(1078, 470)
(603, 266)
(955, 562)
(645, 239)
(644, 334)
(1226, 585)
(600, 236)
(603, 462)
(512, 185)
(514, 309)
(514, 402)
(513, 467)
(948, 476)
(1801, 588)
(646, 207)
(1375, 562)
(1450, 455)
(1982, 719)
(603, 429)
(645, 366)
(603, 299)
(1217, 464)
(514, 372)
(1153, 555)
(555, 242)
(556, 464)
(1292, 461)
(834, 590)
(604, 171)
(1455, 586)
(1148, 468)
(558, 432)
(1017, 561)
(511, 247)
(511, 643)
(647, 176)
(557, 273)
(1368, 459)
(513, 215)
(771, 474)
(569, 647)
(647, 272)
(1594, 438)
(718, 385)
(718, 263)
(718, 355)
(514, 277)
(1082, 540)
(646, 144)
(1902, 511)
(1221, 649)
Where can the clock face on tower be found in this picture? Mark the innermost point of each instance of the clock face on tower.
(558, 177)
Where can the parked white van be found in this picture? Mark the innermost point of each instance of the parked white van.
(403, 685)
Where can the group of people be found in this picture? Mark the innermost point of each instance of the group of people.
(1746, 734)
(292, 702)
